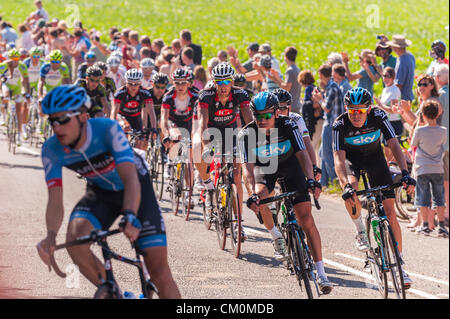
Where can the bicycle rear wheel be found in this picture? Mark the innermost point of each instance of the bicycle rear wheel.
(187, 190)
(234, 214)
(12, 133)
(297, 258)
(374, 259)
(107, 291)
(177, 186)
(403, 203)
(393, 260)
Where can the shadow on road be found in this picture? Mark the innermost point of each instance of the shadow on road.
(9, 165)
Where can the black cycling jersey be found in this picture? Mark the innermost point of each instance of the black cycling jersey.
(180, 116)
(282, 144)
(131, 106)
(157, 103)
(363, 142)
(95, 95)
(220, 115)
(110, 87)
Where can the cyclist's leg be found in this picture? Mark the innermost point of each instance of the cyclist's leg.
(153, 242)
(353, 178)
(265, 185)
(90, 213)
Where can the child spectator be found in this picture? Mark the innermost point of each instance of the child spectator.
(428, 167)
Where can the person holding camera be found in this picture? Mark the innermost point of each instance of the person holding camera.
(368, 74)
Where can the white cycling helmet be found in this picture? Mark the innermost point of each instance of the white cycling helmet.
(222, 71)
(147, 63)
(113, 61)
(134, 75)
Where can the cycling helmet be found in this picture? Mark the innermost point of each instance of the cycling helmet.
(13, 53)
(55, 55)
(36, 50)
(439, 48)
(357, 96)
(283, 95)
(113, 61)
(180, 74)
(147, 63)
(10, 45)
(190, 75)
(160, 78)
(101, 65)
(239, 78)
(222, 71)
(94, 71)
(264, 101)
(117, 54)
(265, 61)
(91, 55)
(23, 52)
(134, 75)
(64, 98)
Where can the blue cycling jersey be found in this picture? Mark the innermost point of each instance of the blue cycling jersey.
(106, 146)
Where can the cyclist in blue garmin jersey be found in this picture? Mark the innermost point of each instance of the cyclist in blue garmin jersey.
(117, 179)
(356, 147)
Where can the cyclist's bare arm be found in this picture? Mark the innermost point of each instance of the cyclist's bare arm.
(151, 111)
(55, 209)
(247, 169)
(247, 114)
(66, 81)
(41, 87)
(339, 165)
(105, 105)
(164, 122)
(132, 188)
(26, 84)
(203, 122)
(114, 110)
(398, 153)
(306, 164)
(310, 149)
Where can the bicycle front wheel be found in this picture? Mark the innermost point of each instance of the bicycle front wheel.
(234, 214)
(220, 218)
(403, 204)
(392, 256)
(374, 258)
(297, 257)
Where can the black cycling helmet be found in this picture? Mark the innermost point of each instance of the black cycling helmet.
(283, 95)
(239, 78)
(264, 101)
(266, 61)
(94, 71)
(439, 48)
(357, 96)
(190, 75)
(181, 74)
(102, 65)
(160, 78)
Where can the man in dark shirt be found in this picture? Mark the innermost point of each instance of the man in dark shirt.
(186, 40)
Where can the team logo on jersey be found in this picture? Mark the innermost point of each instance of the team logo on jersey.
(271, 150)
(363, 139)
(224, 112)
(132, 104)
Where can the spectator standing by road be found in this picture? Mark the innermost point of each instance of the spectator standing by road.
(437, 52)
(368, 74)
(340, 77)
(186, 40)
(332, 103)
(428, 167)
(441, 78)
(405, 66)
(291, 84)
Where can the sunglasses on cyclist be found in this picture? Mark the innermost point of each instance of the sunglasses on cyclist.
(424, 84)
(15, 59)
(94, 80)
(386, 76)
(133, 83)
(357, 111)
(61, 120)
(223, 82)
(263, 116)
(56, 62)
(161, 87)
(180, 83)
(36, 56)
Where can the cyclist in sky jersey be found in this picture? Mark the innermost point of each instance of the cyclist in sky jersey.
(117, 179)
(356, 147)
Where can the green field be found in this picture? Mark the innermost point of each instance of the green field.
(316, 28)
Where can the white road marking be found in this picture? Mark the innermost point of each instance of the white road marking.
(253, 231)
(369, 277)
(409, 273)
(27, 150)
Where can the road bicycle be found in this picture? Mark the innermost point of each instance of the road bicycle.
(157, 159)
(180, 182)
(299, 262)
(109, 288)
(221, 205)
(12, 127)
(383, 256)
(32, 126)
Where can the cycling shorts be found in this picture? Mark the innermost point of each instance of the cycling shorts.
(377, 171)
(293, 176)
(102, 207)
